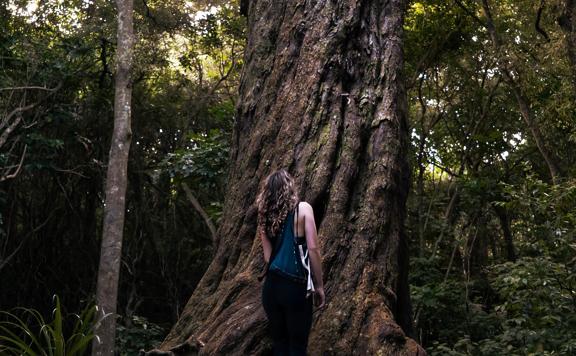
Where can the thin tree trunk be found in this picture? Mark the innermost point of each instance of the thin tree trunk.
(504, 218)
(116, 182)
(449, 215)
(322, 94)
(567, 22)
(477, 246)
(421, 171)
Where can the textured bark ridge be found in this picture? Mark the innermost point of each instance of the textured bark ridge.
(322, 94)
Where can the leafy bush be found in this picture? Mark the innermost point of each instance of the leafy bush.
(205, 160)
(141, 334)
(539, 305)
(535, 313)
(444, 315)
(545, 219)
(525, 307)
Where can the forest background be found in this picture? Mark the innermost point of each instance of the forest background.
(491, 211)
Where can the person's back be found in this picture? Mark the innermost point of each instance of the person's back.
(288, 233)
(286, 260)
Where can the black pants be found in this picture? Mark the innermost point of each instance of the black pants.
(289, 314)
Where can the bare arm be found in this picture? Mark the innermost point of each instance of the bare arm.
(313, 249)
(266, 245)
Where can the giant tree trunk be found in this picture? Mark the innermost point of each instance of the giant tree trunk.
(322, 94)
(116, 181)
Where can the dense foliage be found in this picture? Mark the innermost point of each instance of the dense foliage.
(57, 61)
(492, 229)
(491, 225)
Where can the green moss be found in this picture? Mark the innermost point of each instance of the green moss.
(324, 135)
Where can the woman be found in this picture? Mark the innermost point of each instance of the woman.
(283, 225)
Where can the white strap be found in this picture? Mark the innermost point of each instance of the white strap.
(305, 260)
(306, 263)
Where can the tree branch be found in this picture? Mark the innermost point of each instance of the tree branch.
(32, 87)
(12, 125)
(4, 262)
(15, 173)
(538, 18)
(149, 13)
(103, 59)
(469, 13)
(201, 211)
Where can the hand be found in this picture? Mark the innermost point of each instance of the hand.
(320, 297)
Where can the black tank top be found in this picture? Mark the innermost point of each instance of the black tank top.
(286, 261)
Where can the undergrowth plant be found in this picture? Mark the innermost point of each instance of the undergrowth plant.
(137, 333)
(26, 332)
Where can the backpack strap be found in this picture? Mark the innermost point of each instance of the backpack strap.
(276, 247)
(296, 232)
(305, 260)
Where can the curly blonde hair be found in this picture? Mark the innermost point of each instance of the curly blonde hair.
(277, 198)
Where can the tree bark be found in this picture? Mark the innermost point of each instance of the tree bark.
(322, 94)
(116, 182)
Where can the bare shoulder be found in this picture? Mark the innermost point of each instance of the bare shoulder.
(306, 208)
